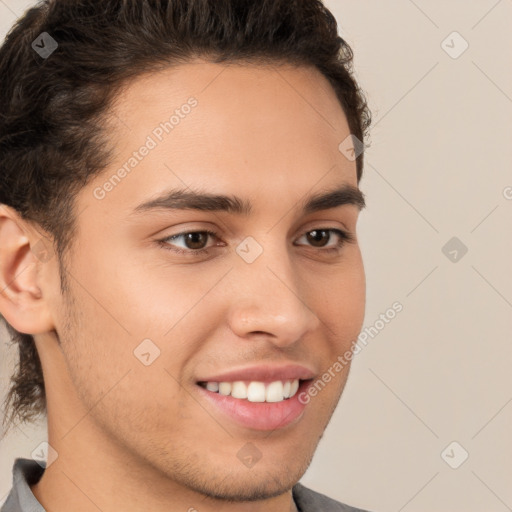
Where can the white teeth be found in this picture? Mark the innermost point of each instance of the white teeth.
(255, 391)
(239, 389)
(274, 392)
(212, 386)
(225, 388)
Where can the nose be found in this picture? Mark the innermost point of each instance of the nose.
(267, 301)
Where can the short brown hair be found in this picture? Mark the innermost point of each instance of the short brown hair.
(51, 143)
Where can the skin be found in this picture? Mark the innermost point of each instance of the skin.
(134, 437)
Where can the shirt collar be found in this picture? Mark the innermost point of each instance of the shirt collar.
(25, 472)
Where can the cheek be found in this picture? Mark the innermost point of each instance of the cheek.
(113, 383)
(341, 304)
(161, 298)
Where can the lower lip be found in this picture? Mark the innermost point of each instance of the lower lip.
(259, 415)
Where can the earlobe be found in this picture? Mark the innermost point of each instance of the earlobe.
(23, 255)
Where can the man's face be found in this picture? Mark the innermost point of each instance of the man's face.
(143, 327)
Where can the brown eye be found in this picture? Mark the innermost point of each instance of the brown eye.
(194, 242)
(315, 237)
(318, 238)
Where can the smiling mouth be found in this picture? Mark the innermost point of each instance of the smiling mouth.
(255, 391)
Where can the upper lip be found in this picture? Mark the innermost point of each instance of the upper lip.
(263, 372)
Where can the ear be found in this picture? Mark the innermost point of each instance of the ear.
(24, 258)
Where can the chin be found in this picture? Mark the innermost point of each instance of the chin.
(249, 487)
(238, 483)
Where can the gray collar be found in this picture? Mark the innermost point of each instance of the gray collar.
(25, 472)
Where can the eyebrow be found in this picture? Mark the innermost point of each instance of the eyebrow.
(187, 199)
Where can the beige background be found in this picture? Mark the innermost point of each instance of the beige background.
(438, 167)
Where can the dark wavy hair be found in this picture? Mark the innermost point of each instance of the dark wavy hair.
(53, 110)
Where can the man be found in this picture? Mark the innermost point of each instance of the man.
(179, 262)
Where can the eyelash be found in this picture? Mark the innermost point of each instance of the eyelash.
(345, 237)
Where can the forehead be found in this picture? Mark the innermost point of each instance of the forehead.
(251, 127)
(233, 81)
(235, 101)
